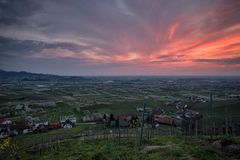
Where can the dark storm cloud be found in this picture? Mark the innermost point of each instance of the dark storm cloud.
(20, 48)
(12, 11)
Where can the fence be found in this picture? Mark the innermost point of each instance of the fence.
(195, 128)
(210, 126)
(214, 125)
(48, 144)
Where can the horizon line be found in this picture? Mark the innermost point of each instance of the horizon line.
(126, 75)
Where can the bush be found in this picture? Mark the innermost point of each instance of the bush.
(99, 155)
(8, 150)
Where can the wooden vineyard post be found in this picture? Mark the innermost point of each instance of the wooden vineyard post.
(119, 134)
(196, 128)
(142, 124)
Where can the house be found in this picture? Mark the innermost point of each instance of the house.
(163, 119)
(3, 131)
(41, 128)
(186, 119)
(22, 128)
(190, 114)
(5, 125)
(67, 124)
(54, 125)
(147, 109)
(4, 121)
(40, 122)
(6, 128)
(73, 120)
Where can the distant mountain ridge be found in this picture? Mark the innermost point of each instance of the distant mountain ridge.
(28, 76)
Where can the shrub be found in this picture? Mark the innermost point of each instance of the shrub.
(99, 155)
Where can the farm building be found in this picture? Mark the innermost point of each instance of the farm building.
(163, 119)
(54, 125)
(22, 128)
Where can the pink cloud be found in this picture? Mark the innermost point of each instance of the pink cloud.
(172, 30)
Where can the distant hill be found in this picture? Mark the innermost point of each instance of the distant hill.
(27, 76)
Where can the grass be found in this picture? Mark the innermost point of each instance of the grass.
(219, 107)
(129, 107)
(221, 110)
(27, 139)
(166, 148)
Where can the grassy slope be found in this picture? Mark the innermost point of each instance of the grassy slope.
(168, 148)
(28, 139)
(221, 109)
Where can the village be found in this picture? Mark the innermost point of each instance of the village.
(182, 117)
(9, 128)
(152, 117)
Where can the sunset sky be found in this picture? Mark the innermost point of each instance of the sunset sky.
(121, 37)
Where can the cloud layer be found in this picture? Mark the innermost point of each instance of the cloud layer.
(121, 37)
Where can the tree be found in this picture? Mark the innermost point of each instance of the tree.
(111, 119)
